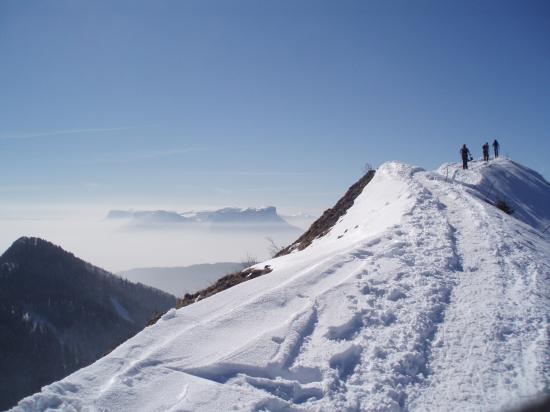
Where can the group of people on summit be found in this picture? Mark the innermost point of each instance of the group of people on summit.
(466, 156)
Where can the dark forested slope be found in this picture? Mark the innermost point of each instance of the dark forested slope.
(59, 313)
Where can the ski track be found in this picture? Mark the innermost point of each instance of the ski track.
(489, 328)
(435, 313)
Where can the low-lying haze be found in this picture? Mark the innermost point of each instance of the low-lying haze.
(117, 245)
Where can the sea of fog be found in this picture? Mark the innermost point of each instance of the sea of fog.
(116, 246)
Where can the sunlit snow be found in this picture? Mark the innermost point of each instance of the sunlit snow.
(424, 296)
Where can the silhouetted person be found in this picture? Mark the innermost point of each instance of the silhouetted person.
(496, 146)
(465, 153)
(485, 148)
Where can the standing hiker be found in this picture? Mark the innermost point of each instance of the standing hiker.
(485, 148)
(496, 146)
(465, 153)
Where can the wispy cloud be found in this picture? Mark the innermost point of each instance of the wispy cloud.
(223, 190)
(25, 188)
(154, 154)
(247, 173)
(147, 155)
(62, 133)
(32, 188)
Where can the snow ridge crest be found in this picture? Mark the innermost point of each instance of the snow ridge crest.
(398, 169)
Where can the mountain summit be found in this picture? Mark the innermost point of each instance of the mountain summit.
(227, 216)
(426, 294)
(59, 313)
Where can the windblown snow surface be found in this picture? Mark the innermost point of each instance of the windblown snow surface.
(424, 296)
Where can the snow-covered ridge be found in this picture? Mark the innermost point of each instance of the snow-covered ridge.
(326, 222)
(423, 296)
(525, 190)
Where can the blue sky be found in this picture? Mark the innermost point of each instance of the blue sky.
(184, 104)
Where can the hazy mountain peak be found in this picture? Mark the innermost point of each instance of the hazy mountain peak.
(30, 242)
(228, 215)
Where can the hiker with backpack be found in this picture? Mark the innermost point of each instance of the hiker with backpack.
(465, 153)
(496, 147)
(485, 148)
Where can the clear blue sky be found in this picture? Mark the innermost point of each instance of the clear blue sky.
(187, 103)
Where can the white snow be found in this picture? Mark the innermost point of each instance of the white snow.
(169, 315)
(422, 297)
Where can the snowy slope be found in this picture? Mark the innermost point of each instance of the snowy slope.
(422, 297)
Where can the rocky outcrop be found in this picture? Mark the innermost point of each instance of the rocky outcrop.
(222, 284)
(330, 216)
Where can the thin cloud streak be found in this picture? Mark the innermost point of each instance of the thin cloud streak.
(64, 132)
(247, 173)
(148, 155)
(46, 188)
(256, 190)
(32, 188)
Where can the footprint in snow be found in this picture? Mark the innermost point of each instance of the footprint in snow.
(388, 317)
(347, 330)
(345, 362)
(371, 290)
(396, 294)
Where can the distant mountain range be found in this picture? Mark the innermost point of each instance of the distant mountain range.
(181, 280)
(59, 314)
(152, 216)
(300, 220)
(244, 217)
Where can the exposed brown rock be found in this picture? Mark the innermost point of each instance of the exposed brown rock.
(222, 284)
(326, 222)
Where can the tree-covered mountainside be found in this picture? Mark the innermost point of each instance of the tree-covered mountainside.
(59, 313)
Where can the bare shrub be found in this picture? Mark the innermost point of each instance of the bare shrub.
(502, 205)
(273, 247)
(248, 261)
(367, 167)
